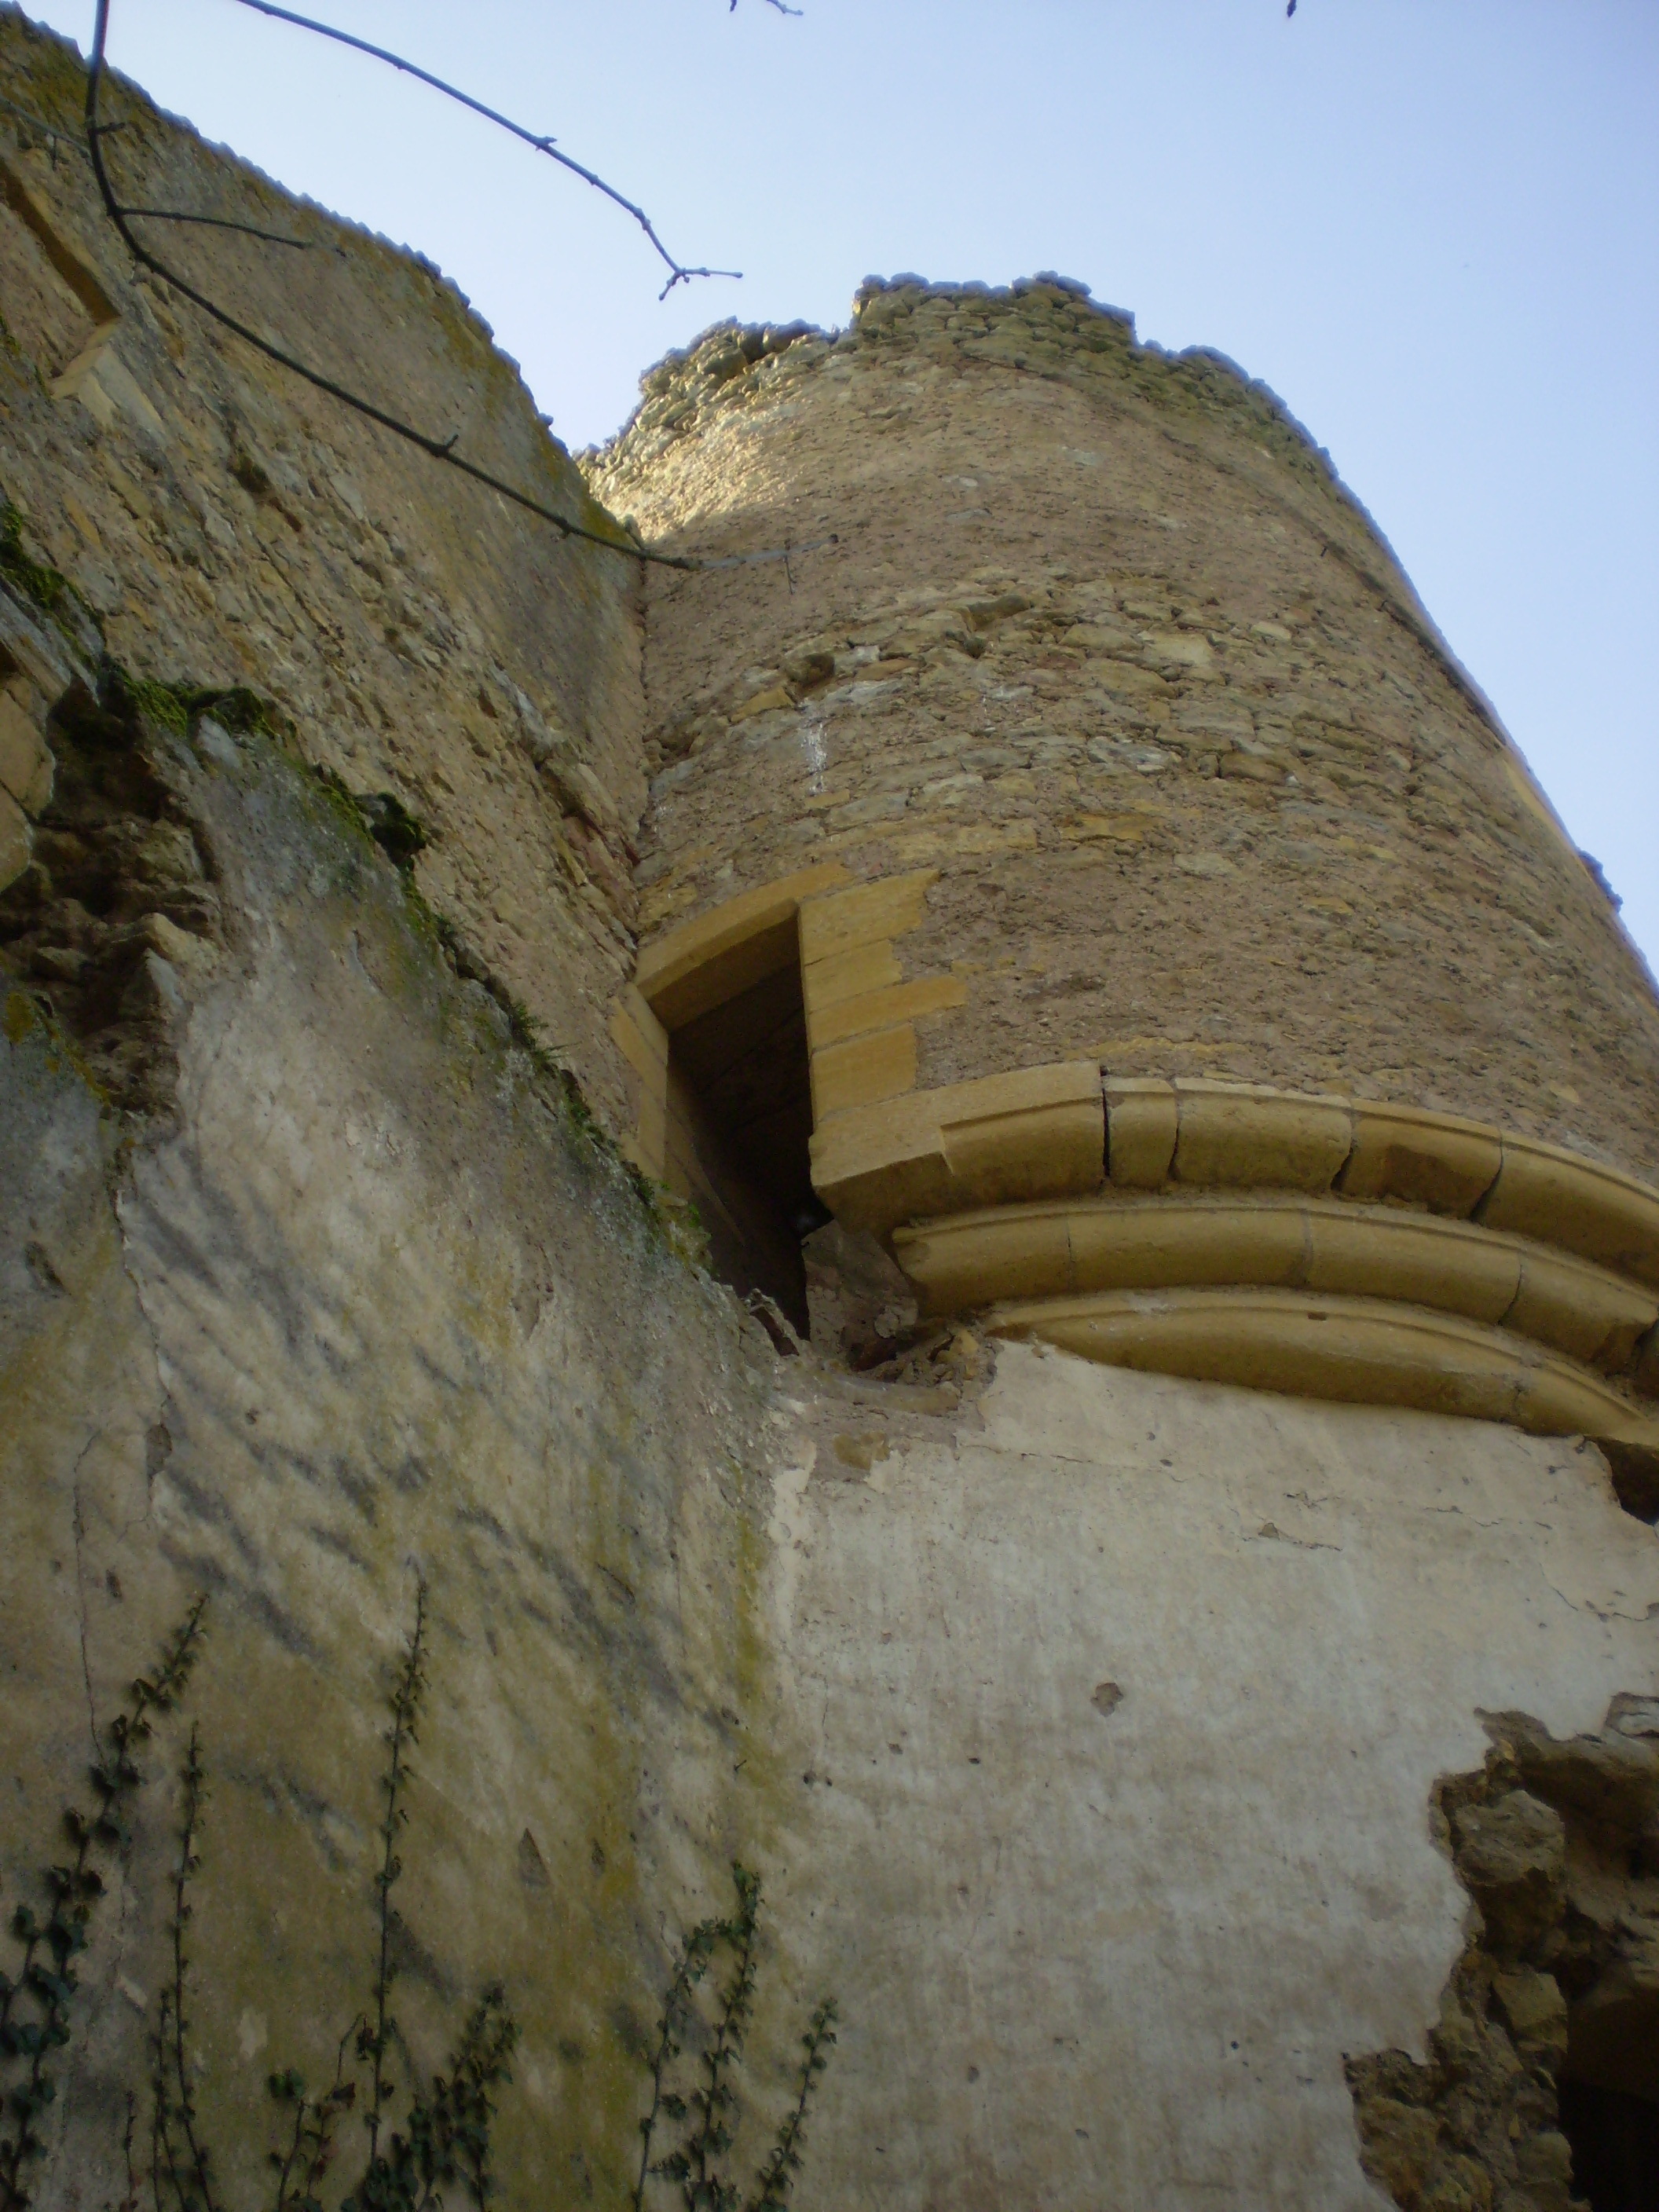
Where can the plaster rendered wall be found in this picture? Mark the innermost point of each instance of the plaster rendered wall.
(1095, 632)
(1124, 1698)
(373, 1300)
(312, 1275)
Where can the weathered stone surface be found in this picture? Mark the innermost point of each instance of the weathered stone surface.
(1513, 1855)
(223, 525)
(1081, 1721)
(1114, 650)
(367, 1297)
(1555, 2001)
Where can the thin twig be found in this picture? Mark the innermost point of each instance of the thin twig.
(217, 222)
(439, 449)
(543, 142)
(156, 214)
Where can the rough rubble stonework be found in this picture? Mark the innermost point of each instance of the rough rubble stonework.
(1097, 632)
(1191, 1793)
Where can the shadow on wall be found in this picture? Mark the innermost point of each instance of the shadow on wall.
(740, 1124)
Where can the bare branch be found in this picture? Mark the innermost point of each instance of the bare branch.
(215, 223)
(440, 449)
(542, 142)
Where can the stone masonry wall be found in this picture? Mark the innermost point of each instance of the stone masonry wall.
(1082, 1722)
(316, 1269)
(364, 1297)
(1096, 633)
(224, 524)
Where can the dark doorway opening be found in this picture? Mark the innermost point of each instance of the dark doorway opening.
(740, 1121)
(1615, 2146)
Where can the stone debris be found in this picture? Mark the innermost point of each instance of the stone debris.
(1555, 2001)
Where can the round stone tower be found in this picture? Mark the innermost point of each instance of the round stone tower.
(1075, 858)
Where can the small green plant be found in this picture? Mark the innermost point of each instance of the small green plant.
(46, 586)
(706, 2114)
(179, 707)
(444, 2142)
(445, 2139)
(35, 1998)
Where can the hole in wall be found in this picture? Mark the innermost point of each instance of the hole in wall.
(740, 1124)
(1540, 2085)
(1615, 2146)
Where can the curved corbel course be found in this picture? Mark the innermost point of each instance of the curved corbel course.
(1000, 1140)
(1239, 1136)
(1417, 1158)
(1206, 1239)
(1552, 1195)
(1360, 1350)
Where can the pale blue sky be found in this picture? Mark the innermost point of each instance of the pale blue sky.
(1432, 226)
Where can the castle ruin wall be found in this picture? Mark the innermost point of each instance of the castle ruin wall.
(1087, 1724)
(1096, 634)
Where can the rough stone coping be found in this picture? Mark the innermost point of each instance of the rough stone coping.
(913, 1158)
(1363, 1351)
(1188, 1240)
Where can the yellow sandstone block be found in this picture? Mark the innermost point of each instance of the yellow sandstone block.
(1581, 1309)
(876, 1010)
(962, 840)
(837, 921)
(864, 1071)
(1147, 1243)
(1142, 1116)
(775, 696)
(25, 762)
(651, 1135)
(1556, 1198)
(1423, 1159)
(1038, 1132)
(1245, 1137)
(968, 1260)
(640, 1036)
(851, 974)
(1375, 1253)
(884, 1164)
(712, 958)
(17, 842)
